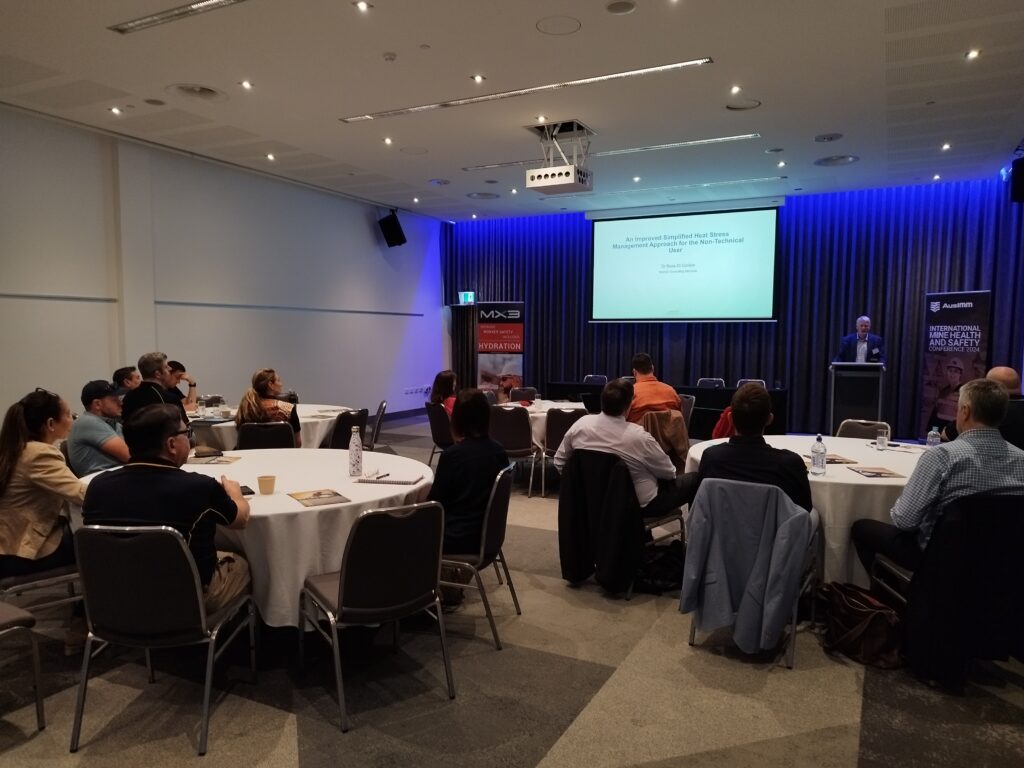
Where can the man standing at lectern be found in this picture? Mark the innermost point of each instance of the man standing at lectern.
(862, 346)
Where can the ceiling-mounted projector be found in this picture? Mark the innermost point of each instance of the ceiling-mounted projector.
(573, 175)
(560, 178)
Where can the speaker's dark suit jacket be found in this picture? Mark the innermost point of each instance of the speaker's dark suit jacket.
(848, 349)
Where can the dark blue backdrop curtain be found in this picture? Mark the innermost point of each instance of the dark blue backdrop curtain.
(874, 252)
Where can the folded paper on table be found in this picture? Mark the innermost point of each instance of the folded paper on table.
(320, 498)
(875, 472)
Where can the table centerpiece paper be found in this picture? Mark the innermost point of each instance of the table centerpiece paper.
(320, 498)
(875, 472)
(213, 459)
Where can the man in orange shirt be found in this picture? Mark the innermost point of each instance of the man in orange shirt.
(649, 394)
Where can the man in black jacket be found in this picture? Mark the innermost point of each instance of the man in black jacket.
(748, 457)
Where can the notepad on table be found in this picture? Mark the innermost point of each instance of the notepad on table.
(388, 480)
(875, 472)
(319, 498)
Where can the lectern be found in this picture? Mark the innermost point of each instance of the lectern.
(856, 392)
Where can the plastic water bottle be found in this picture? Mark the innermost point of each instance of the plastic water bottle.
(934, 438)
(355, 454)
(818, 457)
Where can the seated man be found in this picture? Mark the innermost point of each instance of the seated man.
(152, 390)
(748, 457)
(152, 489)
(125, 379)
(174, 396)
(95, 441)
(654, 478)
(1012, 426)
(978, 461)
(649, 394)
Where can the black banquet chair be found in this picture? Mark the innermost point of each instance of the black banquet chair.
(519, 394)
(391, 569)
(492, 537)
(558, 423)
(378, 422)
(15, 621)
(440, 429)
(276, 434)
(142, 590)
(510, 428)
(343, 423)
(595, 378)
(711, 382)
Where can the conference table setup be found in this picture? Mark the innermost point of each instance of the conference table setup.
(217, 428)
(850, 489)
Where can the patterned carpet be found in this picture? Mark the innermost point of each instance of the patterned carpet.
(583, 680)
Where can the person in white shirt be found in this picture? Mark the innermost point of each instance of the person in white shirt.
(658, 489)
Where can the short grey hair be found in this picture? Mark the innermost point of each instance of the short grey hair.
(151, 363)
(862, 317)
(987, 399)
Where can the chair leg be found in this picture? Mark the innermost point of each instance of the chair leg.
(487, 608)
(76, 729)
(497, 572)
(204, 726)
(439, 614)
(543, 476)
(37, 681)
(693, 628)
(338, 682)
(791, 650)
(252, 640)
(432, 450)
(149, 667)
(533, 464)
(301, 655)
(508, 578)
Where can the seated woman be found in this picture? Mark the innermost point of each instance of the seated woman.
(260, 404)
(36, 486)
(466, 472)
(443, 391)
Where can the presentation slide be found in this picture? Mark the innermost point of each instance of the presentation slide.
(697, 267)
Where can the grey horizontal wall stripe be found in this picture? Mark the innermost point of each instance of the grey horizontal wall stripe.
(275, 308)
(58, 297)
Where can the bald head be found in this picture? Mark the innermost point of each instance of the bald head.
(1006, 376)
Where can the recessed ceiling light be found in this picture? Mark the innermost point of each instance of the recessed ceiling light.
(542, 118)
(271, 157)
(972, 54)
(946, 147)
(246, 85)
(835, 160)
(477, 78)
(363, 6)
(155, 102)
(735, 89)
(515, 191)
(115, 110)
(774, 150)
(620, 7)
(529, 91)
(825, 138)
(636, 179)
(387, 140)
(742, 105)
(171, 14)
(781, 164)
(474, 215)
(415, 199)
(936, 177)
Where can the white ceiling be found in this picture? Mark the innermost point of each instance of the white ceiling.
(890, 76)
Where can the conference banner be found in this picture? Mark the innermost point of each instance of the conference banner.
(499, 347)
(957, 340)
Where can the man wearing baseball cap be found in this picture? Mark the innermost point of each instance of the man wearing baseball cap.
(95, 441)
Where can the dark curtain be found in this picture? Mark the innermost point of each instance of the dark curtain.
(874, 252)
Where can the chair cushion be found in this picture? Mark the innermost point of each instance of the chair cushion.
(324, 589)
(12, 616)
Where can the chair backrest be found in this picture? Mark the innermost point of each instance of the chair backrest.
(140, 585)
(492, 535)
(591, 401)
(392, 563)
(713, 383)
(440, 425)
(741, 382)
(378, 422)
(342, 434)
(522, 393)
(686, 405)
(558, 424)
(290, 397)
(595, 378)
(510, 428)
(273, 434)
(490, 397)
(862, 429)
(630, 379)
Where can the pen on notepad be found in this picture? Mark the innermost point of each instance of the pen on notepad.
(381, 477)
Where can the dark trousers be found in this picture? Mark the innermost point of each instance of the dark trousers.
(672, 494)
(872, 537)
(64, 554)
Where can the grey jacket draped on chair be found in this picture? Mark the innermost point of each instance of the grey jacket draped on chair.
(746, 550)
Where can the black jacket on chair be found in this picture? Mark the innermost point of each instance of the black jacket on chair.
(966, 598)
(600, 525)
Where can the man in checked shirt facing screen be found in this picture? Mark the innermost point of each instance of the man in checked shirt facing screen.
(978, 461)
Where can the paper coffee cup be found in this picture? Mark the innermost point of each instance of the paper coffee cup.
(266, 483)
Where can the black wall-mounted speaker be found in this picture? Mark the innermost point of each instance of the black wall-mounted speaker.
(1017, 181)
(391, 228)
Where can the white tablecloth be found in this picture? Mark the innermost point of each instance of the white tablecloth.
(842, 496)
(316, 423)
(538, 410)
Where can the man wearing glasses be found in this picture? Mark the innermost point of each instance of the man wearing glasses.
(152, 489)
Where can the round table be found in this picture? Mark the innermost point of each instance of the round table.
(841, 495)
(284, 541)
(315, 421)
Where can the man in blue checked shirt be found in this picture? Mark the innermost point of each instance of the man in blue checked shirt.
(978, 461)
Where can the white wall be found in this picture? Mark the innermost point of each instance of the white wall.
(224, 270)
